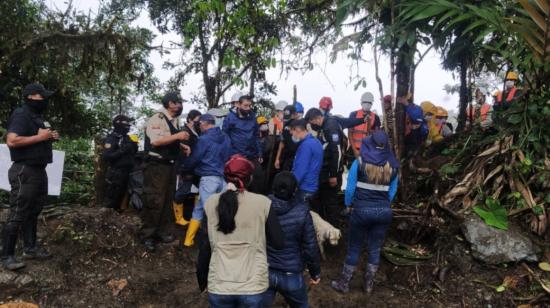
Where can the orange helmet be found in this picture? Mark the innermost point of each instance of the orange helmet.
(325, 103)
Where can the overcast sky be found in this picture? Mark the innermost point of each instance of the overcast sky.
(328, 79)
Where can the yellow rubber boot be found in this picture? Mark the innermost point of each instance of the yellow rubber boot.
(191, 232)
(178, 213)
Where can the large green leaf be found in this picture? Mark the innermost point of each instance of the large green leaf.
(494, 214)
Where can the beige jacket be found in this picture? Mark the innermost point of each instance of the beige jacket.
(238, 265)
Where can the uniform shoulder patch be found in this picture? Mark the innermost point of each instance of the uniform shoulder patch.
(335, 138)
(161, 115)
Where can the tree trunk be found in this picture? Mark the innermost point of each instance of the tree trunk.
(464, 97)
(403, 74)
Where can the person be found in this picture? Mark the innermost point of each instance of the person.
(287, 148)
(220, 114)
(372, 122)
(371, 186)
(29, 139)
(276, 122)
(325, 105)
(263, 136)
(441, 122)
(184, 199)
(510, 93)
(330, 136)
(299, 110)
(308, 162)
(243, 130)
(162, 147)
(480, 113)
(286, 266)
(207, 160)
(430, 110)
(119, 152)
(416, 127)
(235, 100)
(232, 260)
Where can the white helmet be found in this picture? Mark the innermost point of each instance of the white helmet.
(236, 96)
(367, 97)
(281, 105)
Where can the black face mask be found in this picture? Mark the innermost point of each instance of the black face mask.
(316, 127)
(37, 106)
(244, 113)
(122, 129)
(178, 112)
(197, 126)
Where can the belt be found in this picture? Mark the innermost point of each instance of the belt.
(364, 185)
(159, 160)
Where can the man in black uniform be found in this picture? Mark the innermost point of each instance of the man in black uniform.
(29, 140)
(287, 148)
(119, 155)
(330, 134)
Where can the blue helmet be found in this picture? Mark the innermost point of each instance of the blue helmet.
(299, 107)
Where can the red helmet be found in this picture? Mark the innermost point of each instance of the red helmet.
(325, 103)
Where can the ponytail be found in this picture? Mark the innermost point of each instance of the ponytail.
(227, 209)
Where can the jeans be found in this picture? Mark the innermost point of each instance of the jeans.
(235, 301)
(370, 222)
(290, 285)
(208, 186)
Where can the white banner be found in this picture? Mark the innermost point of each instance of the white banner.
(54, 170)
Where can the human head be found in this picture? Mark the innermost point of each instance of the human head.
(244, 106)
(193, 116)
(429, 110)
(36, 97)
(263, 123)
(366, 101)
(441, 115)
(315, 117)
(173, 103)
(299, 110)
(284, 185)
(279, 109)
(207, 121)
(325, 104)
(375, 150)
(511, 79)
(235, 98)
(298, 129)
(416, 116)
(289, 113)
(122, 123)
(387, 102)
(219, 114)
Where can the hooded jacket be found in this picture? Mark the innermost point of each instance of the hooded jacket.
(300, 243)
(210, 153)
(243, 132)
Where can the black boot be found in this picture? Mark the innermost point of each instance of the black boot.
(30, 249)
(150, 245)
(342, 285)
(369, 277)
(11, 263)
(9, 239)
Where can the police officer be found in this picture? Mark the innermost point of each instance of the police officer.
(30, 143)
(284, 159)
(119, 155)
(330, 135)
(162, 147)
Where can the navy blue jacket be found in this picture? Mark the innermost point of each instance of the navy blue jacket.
(308, 163)
(300, 243)
(243, 133)
(210, 153)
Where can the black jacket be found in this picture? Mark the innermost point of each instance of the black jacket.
(300, 244)
(331, 137)
(119, 151)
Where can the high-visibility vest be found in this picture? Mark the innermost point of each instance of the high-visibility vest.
(361, 131)
(509, 97)
(483, 112)
(276, 126)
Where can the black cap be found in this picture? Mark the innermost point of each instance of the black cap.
(288, 111)
(171, 97)
(122, 119)
(36, 88)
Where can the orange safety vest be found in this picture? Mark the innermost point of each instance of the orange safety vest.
(361, 131)
(509, 97)
(278, 125)
(483, 112)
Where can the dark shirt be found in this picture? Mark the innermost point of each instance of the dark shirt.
(119, 151)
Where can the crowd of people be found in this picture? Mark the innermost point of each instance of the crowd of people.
(244, 182)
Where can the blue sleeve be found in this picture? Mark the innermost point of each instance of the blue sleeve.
(393, 187)
(300, 169)
(196, 155)
(226, 126)
(352, 183)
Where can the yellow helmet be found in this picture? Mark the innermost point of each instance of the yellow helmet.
(428, 107)
(441, 112)
(496, 93)
(134, 138)
(512, 76)
(261, 120)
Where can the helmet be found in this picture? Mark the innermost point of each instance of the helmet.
(496, 93)
(236, 96)
(367, 97)
(325, 103)
(441, 112)
(512, 76)
(428, 107)
(299, 107)
(281, 105)
(261, 120)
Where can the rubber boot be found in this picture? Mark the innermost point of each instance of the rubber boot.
(342, 284)
(369, 277)
(178, 213)
(30, 249)
(194, 226)
(9, 239)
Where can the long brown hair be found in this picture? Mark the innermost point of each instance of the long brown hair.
(379, 175)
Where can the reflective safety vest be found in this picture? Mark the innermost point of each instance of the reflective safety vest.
(509, 97)
(483, 112)
(361, 131)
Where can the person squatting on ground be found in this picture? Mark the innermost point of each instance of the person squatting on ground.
(119, 154)
(286, 266)
(162, 147)
(207, 160)
(232, 261)
(29, 141)
(184, 199)
(371, 186)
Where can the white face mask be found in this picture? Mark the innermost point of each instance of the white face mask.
(509, 83)
(428, 117)
(264, 127)
(366, 106)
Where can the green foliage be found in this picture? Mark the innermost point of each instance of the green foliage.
(449, 169)
(493, 214)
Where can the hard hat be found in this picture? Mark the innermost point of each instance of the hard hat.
(428, 107)
(367, 97)
(325, 103)
(281, 105)
(134, 138)
(261, 120)
(236, 96)
(512, 76)
(496, 93)
(218, 112)
(441, 112)
(299, 107)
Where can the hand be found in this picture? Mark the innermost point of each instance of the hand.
(277, 164)
(314, 282)
(186, 149)
(182, 136)
(333, 182)
(260, 160)
(44, 134)
(55, 135)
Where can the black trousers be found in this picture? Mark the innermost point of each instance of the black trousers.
(117, 186)
(29, 190)
(326, 201)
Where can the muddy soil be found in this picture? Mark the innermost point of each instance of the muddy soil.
(95, 250)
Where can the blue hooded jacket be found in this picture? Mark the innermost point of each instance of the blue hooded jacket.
(210, 153)
(300, 239)
(308, 163)
(243, 133)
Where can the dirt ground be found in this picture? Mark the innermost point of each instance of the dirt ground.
(98, 262)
